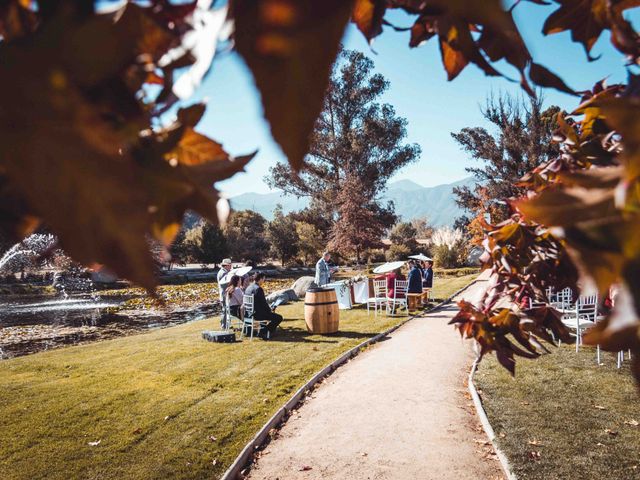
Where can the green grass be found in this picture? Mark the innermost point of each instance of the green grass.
(164, 404)
(575, 409)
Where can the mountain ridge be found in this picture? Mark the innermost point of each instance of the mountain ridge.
(410, 199)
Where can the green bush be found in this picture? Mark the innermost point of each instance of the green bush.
(397, 252)
(455, 272)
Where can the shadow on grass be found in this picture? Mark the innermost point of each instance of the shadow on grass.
(295, 335)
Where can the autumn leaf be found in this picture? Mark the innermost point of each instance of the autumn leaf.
(368, 16)
(290, 47)
(587, 19)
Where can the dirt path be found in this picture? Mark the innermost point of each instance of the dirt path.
(398, 411)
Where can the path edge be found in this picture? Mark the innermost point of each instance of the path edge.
(245, 456)
(486, 425)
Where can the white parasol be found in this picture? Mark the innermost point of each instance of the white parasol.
(421, 256)
(241, 271)
(388, 267)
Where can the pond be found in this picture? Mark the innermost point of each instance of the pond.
(32, 323)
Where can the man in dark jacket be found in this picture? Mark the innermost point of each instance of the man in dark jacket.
(427, 278)
(261, 308)
(415, 278)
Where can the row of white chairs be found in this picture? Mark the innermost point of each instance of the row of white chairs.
(381, 299)
(578, 316)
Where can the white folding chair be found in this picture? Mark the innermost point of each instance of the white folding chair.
(550, 294)
(379, 296)
(563, 300)
(247, 318)
(400, 291)
(582, 317)
(536, 303)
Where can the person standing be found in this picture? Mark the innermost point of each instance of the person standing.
(223, 283)
(415, 278)
(323, 270)
(261, 308)
(427, 278)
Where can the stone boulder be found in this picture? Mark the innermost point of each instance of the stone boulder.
(287, 295)
(303, 284)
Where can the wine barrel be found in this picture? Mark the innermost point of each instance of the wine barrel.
(321, 312)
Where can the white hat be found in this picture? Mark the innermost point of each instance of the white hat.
(226, 261)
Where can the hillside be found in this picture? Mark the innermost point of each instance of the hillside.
(411, 201)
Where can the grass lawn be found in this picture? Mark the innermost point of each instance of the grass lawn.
(564, 417)
(163, 404)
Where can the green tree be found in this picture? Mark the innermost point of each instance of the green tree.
(355, 138)
(246, 236)
(181, 250)
(405, 234)
(206, 243)
(522, 140)
(282, 236)
(310, 241)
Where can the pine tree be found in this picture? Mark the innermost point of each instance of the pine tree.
(356, 141)
(521, 142)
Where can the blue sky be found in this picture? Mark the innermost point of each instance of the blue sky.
(419, 91)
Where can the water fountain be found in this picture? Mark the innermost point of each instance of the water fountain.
(73, 312)
(27, 252)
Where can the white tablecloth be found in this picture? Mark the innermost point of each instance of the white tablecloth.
(361, 291)
(343, 293)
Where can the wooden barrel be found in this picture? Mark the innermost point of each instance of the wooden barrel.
(321, 312)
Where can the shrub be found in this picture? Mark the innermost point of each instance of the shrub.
(397, 252)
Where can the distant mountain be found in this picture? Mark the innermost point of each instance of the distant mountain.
(436, 203)
(411, 201)
(265, 203)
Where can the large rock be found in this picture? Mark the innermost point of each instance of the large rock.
(303, 284)
(287, 295)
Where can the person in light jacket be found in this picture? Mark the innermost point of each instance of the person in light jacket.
(223, 283)
(323, 270)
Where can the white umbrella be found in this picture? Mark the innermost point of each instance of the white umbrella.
(241, 271)
(388, 267)
(420, 256)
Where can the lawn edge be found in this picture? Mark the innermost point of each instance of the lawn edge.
(244, 459)
(486, 425)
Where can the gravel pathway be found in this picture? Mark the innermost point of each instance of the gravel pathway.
(398, 411)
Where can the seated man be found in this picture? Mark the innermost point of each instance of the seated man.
(261, 309)
(415, 278)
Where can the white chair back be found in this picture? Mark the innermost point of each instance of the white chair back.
(550, 292)
(401, 288)
(588, 300)
(535, 303)
(247, 305)
(587, 308)
(379, 288)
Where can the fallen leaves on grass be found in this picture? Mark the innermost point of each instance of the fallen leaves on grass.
(212, 438)
(535, 456)
(632, 423)
(94, 444)
(599, 407)
(535, 443)
(304, 468)
(613, 433)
